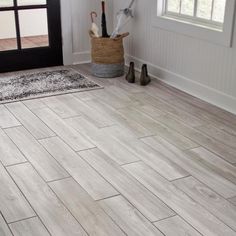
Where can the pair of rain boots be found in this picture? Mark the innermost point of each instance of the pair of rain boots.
(144, 78)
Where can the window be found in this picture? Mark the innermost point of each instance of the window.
(210, 20)
(208, 12)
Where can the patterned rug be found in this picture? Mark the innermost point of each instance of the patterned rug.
(42, 84)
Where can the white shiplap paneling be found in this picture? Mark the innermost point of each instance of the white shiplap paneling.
(202, 68)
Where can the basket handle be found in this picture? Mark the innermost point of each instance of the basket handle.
(122, 36)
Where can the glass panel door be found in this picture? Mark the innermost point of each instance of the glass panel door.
(33, 32)
(30, 34)
(8, 40)
(6, 3)
(31, 2)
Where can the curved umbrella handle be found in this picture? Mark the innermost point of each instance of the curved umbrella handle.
(121, 36)
(92, 14)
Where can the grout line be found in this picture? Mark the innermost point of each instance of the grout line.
(23, 162)
(33, 210)
(33, 115)
(166, 218)
(106, 198)
(1, 214)
(198, 202)
(12, 127)
(184, 177)
(55, 180)
(28, 161)
(24, 219)
(67, 208)
(133, 179)
(147, 136)
(133, 162)
(84, 150)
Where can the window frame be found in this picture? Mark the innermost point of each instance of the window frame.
(219, 34)
(194, 18)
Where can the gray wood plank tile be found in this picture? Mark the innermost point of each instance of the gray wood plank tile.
(9, 153)
(218, 134)
(209, 110)
(80, 170)
(158, 109)
(35, 104)
(132, 222)
(104, 140)
(166, 107)
(156, 91)
(164, 166)
(111, 98)
(91, 114)
(85, 96)
(214, 162)
(210, 200)
(141, 198)
(71, 107)
(88, 212)
(31, 122)
(42, 161)
(13, 205)
(205, 115)
(114, 115)
(149, 110)
(62, 106)
(4, 230)
(215, 111)
(209, 143)
(135, 88)
(195, 166)
(188, 209)
(49, 208)
(7, 120)
(29, 227)
(77, 141)
(157, 128)
(233, 200)
(176, 226)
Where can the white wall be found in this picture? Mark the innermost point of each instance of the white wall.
(203, 69)
(81, 23)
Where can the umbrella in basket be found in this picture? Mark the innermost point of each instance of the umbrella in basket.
(123, 16)
(104, 23)
(94, 29)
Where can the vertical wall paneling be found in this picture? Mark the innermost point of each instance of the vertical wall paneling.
(199, 67)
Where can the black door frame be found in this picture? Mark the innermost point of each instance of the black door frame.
(30, 58)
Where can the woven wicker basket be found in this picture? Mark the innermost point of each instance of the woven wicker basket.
(108, 56)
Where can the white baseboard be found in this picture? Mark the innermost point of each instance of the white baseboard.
(201, 91)
(81, 57)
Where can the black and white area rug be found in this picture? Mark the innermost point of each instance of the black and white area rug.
(24, 86)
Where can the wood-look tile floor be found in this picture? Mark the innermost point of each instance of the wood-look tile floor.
(123, 160)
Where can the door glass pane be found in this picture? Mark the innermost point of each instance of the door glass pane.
(187, 7)
(204, 9)
(219, 10)
(33, 28)
(7, 31)
(31, 2)
(173, 6)
(6, 3)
